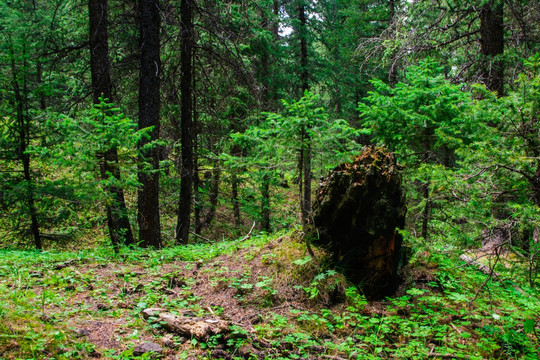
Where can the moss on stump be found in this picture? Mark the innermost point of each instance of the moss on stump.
(356, 212)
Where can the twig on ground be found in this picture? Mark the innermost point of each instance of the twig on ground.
(201, 237)
(248, 235)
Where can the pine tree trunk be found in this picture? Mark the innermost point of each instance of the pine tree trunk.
(187, 135)
(425, 187)
(149, 114)
(117, 217)
(23, 127)
(305, 202)
(265, 204)
(492, 45)
(196, 178)
(392, 73)
(275, 25)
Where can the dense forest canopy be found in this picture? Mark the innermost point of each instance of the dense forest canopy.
(160, 125)
(193, 111)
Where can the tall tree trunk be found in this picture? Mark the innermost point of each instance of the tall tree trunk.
(425, 187)
(275, 24)
(492, 45)
(186, 186)
(196, 174)
(39, 74)
(265, 203)
(23, 126)
(305, 203)
(268, 104)
(392, 73)
(149, 114)
(235, 200)
(117, 217)
(235, 151)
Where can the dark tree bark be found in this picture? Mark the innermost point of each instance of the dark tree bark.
(275, 25)
(117, 217)
(305, 158)
(426, 213)
(23, 127)
(187, 135)
(303, 48)
(265, 204)
(42, 97)
(236, 201)
(234, 191)
(492, 45)
(149, 114)
(392, 73)
(196, 176)
(269, 99)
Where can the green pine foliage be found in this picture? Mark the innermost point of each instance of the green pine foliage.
(401, 74)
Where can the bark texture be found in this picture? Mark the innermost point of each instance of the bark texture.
(356, 213)
(117, 217)
(305, 156)
(149, 112)
(190, 327)
(492, 45)
(23, 127)
(187, 133)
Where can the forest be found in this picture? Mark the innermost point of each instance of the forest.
(162, 164)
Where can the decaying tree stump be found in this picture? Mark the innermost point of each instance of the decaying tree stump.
(356, 212)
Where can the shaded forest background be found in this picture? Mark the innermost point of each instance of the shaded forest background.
(155, 123)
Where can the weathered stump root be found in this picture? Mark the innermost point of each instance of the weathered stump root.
(190, 327)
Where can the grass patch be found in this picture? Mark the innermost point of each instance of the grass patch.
(283, 303)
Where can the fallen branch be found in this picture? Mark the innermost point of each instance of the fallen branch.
(483, 268)
(490, 272)
(248, 235)
(198, 328)
(201, 237)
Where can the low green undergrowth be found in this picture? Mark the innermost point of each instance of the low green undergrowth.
(291, 306)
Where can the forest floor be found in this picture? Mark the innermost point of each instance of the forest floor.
(278, 303)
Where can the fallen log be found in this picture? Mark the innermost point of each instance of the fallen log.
(483, 268)
(190, 327)
(488, 271)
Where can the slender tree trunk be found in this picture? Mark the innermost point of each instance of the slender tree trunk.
(275, 24)
(42, 97)
(23, 121)
(303, 48)
(149, 116)
(235, 151)
(426, 211)
(425, 188)
(196, 184)
(492, 45)
(23, 127)
(392, 73)
(268, 104)
(265, 203)
(307, 178)
(235, 200)
(196, 175)
(31, 202)
(305, 202)
(117, 217)
(186, 186)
